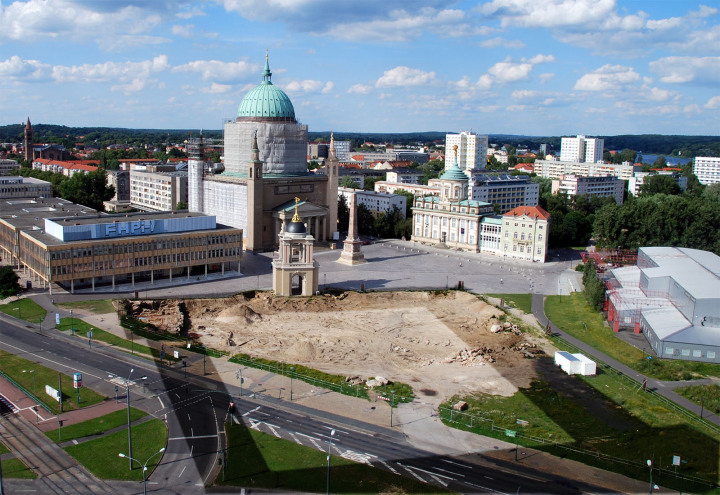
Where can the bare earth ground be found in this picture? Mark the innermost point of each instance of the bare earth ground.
(416, 338)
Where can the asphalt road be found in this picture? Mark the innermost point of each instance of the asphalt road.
(196, 408)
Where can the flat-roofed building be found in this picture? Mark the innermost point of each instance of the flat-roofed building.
(581, 149)
(552, 169)
(602, 187)
(375, 202)
(707, 169)
(505, 191)
(8, 166)
(638, 179)
(24, 187)
(672, 296)
(158, 191)
(76, 247)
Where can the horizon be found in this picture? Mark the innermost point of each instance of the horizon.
(494, 67)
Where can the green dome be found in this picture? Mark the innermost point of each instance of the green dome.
(266, 101)
(454, 173)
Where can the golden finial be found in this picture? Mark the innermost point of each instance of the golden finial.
(296, 217)
(266, 53)
(455, 148)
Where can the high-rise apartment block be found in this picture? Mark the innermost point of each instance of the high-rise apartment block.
(707, 169)
(581, 149)
(471, 151)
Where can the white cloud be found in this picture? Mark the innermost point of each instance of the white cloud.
(361, 89)
(219, 70)
(131, 87)
(128, 72)
(26, 70)
(543, 13)
(309, 86)
(404, 76)
(687, 69)
(216, 88)
(547, 76)
(110, 24)
(520, 94)
(501, 42)
(713, 102)
(185, 30)
(607, 77)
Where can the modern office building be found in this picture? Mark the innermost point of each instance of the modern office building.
(375, 202)
(552, 169)
(572, 185)
(24, 187)
(158, 191)
(504, 191)
(581, 149)
(8, 167)
(60, 242)
(471, 152)
(707, 169)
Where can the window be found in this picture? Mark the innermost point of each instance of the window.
(685, 352)
(711, 354)
(539, 251)
(539, 237)
(697, 353)
(515, 235)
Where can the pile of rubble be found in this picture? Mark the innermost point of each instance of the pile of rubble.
(505, 327)
(529, 351)
(472, 357)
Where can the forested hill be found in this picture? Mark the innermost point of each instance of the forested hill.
(646, 143)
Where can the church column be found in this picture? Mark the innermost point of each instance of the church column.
(317, 228)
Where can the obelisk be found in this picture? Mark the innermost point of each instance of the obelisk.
(351, 254)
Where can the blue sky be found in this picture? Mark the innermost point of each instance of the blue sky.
(535, 67)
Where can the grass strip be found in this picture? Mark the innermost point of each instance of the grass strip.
(707, 396)
(96, 426)
(24, 309)
(15, 468)
(33, 377)
(573, 315)
(101, 457)
(82, 328)
(336, 383)
(523, 302)
(99, 306)
(259, 460)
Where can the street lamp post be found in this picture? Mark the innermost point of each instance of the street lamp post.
(72, 323)
(292, 372)
(392, 405)
(649, 463)
(127, 397)
(239, 376)
(144, 466)
(17, 308)
(332, 434)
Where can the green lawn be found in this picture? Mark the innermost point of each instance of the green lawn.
(523, 302)
(24, 309)
(19, 369)
(82, 328)
(706, 395)
(101, 457)
(14, 468)
(258, 460)
(96, 426)
(100, 306)
(573, 315)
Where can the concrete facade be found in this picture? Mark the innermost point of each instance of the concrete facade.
(707, 169)
(602, 187)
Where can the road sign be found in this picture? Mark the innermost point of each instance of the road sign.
(57, 318)
(89, 334)
(510, 433)
(77, 380)
(176, 354)
(676, 460)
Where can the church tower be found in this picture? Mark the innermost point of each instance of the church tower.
(295, 272)
(331, 170)
(196, 171)
(254, 234)
(28, 141)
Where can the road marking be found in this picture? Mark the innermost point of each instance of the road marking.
(484, 488)
(192, 438)
(252, 411)
(450, 472)
(389, 467)
(272, 428)
(357, 456)
(181, 472)
(424, 471)
(314, 441)
(413, 473)
(466, 466)
(162, 406)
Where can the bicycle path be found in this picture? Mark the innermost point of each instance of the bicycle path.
(663, 388)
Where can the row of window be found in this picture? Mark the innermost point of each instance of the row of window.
(686, 353)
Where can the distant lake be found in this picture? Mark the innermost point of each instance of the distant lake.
(671, 160)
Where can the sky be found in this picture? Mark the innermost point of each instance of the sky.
(525, 67)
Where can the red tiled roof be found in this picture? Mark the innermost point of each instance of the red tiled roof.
(530, 211)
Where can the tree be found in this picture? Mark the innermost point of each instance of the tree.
(9, 285)
(181, 205)
(347, 181)
(343, 214)
(88, 189)
(659, 184)
(369, 183)
(365, 220)
(594, 287)
(660, 162)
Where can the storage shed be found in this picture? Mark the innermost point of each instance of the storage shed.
(575, 364)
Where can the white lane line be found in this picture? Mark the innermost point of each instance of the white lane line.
(484, 488)
(191, 438)
(252, 411)
(450, 472)
(413, 473)
(388, 466)
(466, 466)
(181, 472)
(273, 429)
(162, 406)
(294, 437)
(25, 351)
(189, 417)
(313, 440)
(431, 473)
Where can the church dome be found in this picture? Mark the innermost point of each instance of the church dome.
(266, 102)
(454, 173)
